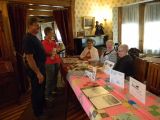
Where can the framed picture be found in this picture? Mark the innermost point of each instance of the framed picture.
(88, 22)
(81, 34)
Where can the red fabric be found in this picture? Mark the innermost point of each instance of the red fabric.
(48, 48)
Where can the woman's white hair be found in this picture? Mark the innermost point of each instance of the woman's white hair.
(110, 41)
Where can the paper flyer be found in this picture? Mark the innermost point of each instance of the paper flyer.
(137, 89)
(117, 78)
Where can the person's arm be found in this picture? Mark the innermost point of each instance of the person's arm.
(113, 57)
(33, 66)
(94, 55)
(83, 54)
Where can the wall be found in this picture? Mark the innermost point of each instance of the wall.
(95, 8)
(100, 9)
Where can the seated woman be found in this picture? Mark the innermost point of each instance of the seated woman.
(90, 53)
(109, 54)
(125, 61)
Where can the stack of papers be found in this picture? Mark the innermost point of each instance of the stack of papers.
(100, 97)
(104, 101)
(94, 91)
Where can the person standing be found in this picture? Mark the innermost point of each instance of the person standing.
(52, 63)
(35, 58)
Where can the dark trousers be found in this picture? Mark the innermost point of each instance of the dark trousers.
(56, 75)
(37, 95)
(51, 78)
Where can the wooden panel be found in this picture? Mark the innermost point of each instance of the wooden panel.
(46, 2)
(38, 7)
(153, 78)
(6, 66)
(1, 36)
(40, 13)
(7, 43)
(8, 84)
(140, 67)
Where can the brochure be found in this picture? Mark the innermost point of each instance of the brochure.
(104, 101)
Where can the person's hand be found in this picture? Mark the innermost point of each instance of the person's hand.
(85, 58)
(40, 78)
(58, 49)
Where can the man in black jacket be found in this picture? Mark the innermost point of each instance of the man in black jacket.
(125, 61)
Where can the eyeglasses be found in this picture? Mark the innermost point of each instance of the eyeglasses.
(120, 50)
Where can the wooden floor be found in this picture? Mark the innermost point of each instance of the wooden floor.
(22, 111)
(13, 112)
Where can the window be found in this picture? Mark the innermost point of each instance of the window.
(130, 26)
(152, 29)
(130, 34)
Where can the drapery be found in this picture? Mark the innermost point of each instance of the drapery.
(64, 24)
(152, 28)
(130, 26)
(17, 17)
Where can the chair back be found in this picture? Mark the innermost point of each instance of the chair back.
(140, 68)
(134, 52)
(153, 78)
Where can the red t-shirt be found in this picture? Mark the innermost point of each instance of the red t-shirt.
(48, 46)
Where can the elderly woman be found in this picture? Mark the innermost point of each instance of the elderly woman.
(109, 54)
(125, 61)
(90, 53)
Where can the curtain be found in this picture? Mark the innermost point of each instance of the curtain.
(64, 24)
(130, 26)
(17, 17)
(152, 28)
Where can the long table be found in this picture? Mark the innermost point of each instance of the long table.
(148, 111)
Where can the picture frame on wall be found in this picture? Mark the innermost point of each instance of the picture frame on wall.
(88, 22)
(81, 34)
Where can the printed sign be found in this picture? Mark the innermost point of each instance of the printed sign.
(91, 74)
(117, 78)
(108, 65)
(137, 89)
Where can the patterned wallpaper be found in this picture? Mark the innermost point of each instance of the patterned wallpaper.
(100, 9)
(115, 24)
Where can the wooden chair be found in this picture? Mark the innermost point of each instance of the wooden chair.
(140, 69)
(153, 78)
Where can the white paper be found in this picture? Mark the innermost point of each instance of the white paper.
(117, 78)
(94, 91)
(91, 74)
(108, 65)
(104, 101)
(137, 89)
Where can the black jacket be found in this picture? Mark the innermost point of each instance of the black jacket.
(125, 65)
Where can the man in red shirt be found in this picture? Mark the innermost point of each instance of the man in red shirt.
(52, 63)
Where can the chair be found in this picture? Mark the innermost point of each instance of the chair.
(134, 52)
(140, 69)
(153, 78)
